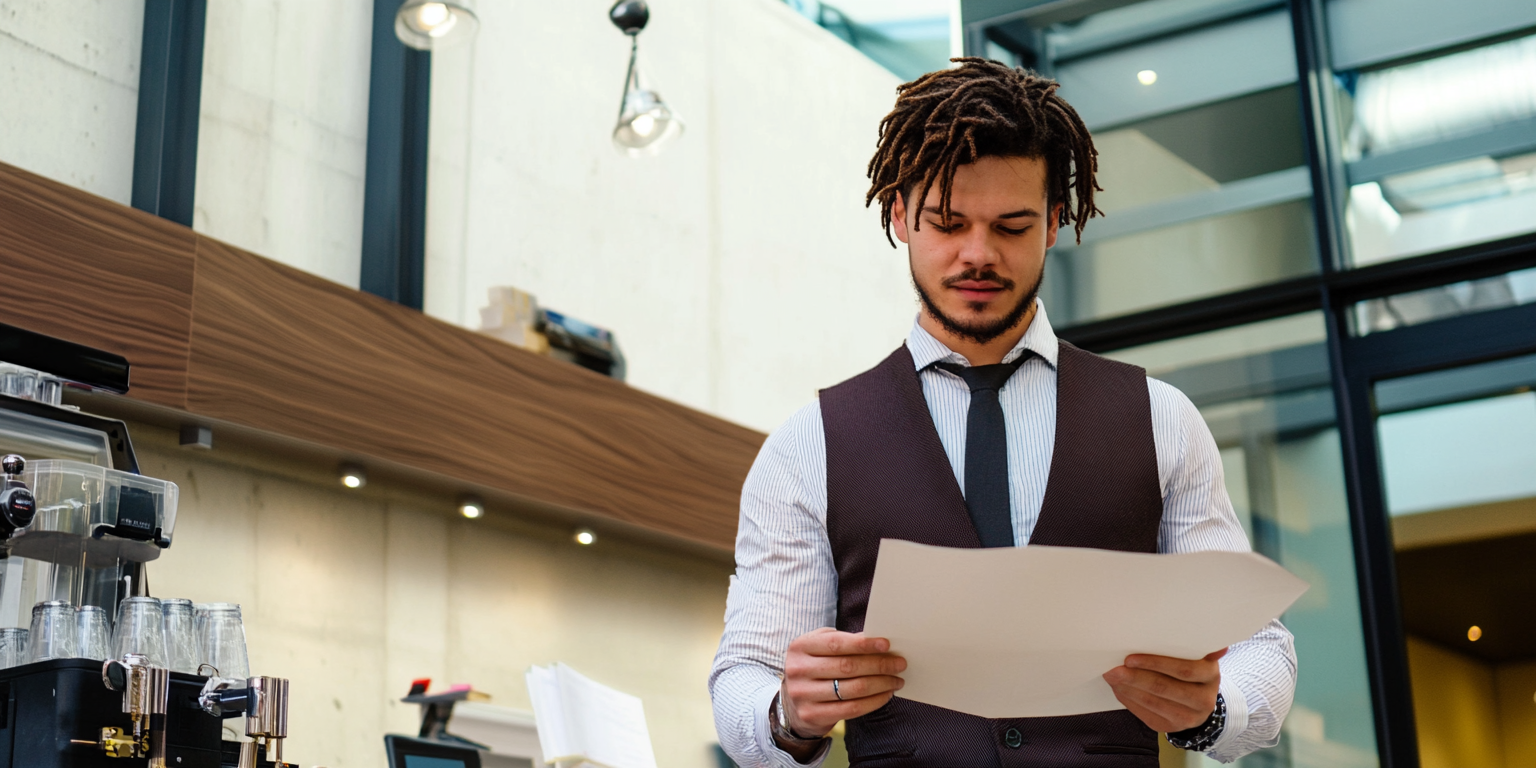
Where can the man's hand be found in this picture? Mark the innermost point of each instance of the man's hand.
(864, 668)
(1169, 695)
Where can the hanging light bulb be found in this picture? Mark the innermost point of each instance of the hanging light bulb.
(646, 123)
(428, 24)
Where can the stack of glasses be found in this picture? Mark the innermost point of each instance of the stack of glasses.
(173, 633)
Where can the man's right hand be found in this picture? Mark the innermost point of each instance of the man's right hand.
(864, 668)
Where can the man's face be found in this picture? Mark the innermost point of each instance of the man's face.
(978, 276)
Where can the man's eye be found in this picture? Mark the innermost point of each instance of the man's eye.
(1008, 231)
(940, 227)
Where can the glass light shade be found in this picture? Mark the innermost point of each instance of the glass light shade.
(428, 24)
(646, 123)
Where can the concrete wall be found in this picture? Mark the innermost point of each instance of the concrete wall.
(352, 594)
(69, 77)
(739, 267)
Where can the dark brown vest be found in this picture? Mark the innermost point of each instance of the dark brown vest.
(889, 478)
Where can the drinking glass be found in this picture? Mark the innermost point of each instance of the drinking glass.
(21, 384)
(181, 649)
(93, 640)
(140, 629)
(222, 638)
(53, 631)
(13, 647)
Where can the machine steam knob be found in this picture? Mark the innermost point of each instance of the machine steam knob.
(13, 464)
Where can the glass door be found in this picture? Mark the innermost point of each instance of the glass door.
(1458, 468)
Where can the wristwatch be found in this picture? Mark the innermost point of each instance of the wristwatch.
(1203, 736)
(778, 722)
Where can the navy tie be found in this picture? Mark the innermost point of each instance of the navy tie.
(986, 451)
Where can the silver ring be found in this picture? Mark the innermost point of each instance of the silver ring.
(836, 692)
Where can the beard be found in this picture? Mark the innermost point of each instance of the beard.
(982, 331)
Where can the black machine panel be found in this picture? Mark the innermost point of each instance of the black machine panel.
(53, 713)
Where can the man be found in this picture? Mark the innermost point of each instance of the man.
(982, 430)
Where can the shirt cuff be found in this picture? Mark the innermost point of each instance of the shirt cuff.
(1237, 720)
(766, 744)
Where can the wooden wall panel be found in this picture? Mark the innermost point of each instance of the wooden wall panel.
(78, 267)
(282, 350)
(221, 333)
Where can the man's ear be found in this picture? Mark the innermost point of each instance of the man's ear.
(1053, 226)
(899, 217)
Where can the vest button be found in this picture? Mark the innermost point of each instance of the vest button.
(1013, 738)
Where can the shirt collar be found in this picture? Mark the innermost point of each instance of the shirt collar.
(1040, 339)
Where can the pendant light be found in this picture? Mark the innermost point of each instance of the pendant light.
(646, 123)
(428, 24)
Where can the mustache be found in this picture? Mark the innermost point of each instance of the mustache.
(978, 276)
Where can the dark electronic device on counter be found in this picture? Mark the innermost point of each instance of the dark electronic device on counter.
(406, 752)
(78, 525)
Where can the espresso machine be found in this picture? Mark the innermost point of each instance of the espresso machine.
(78, 527)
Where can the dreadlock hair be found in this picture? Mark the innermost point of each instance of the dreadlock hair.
(981, 108)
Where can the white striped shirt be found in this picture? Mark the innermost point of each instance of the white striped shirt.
(786, 585)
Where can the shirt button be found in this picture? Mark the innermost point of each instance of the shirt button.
(1013, 738)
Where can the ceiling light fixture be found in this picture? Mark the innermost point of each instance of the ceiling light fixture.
(1146, 77)
(471, 507)
(646, 123)
(353, 476)
(1474, 633)
(428, 24)
(585, 537)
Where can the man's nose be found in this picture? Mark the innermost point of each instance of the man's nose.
(977, 248)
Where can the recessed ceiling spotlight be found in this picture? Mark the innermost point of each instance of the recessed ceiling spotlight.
(353, 476)
(1146, 77)
(471, 507)
(585, 537)
(1474, 633)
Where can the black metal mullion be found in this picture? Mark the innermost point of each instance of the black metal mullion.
(1467, 263)
(1375, 560)
(170, 97)
(395, 185)
(1466, 340)
(1250, 306)
(1302, 294)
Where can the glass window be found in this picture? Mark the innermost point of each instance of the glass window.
(1365, 32)
(1441, 153)
(1184, 261)
(1464, 298)
(1197, 118)
(908, 38)
(1198, 67)
(1458, 459)
(1263, 389)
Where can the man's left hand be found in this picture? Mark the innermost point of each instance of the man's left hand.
(1168, 694)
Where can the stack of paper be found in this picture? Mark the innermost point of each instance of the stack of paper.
(584, 723)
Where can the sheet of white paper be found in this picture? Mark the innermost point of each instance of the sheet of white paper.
(582, 721)
(549, 714)
(1029, 631)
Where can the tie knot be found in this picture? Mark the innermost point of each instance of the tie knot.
(980, 377)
